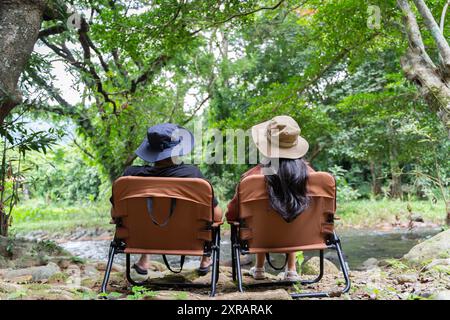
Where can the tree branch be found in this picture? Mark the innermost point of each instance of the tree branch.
(443, 15)
(237, 15)
(57, 29)
(413, 32)
(196, 109)
(99, 54)
(84, 40)
(83, 149)
(156, 65)
(432, 26)
(64, 53)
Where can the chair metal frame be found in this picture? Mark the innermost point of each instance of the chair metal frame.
(118, 246)
(239, 247)
(210, 248)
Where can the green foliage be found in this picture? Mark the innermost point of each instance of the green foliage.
(181, 295)
(397, 264)
(364, 122)
(16, 139)
(413, 296)
(299, 258)
(140, 292)
(150, 62)
(367, 213)
(344, 191)
(63, 175)
(17, 295)
(55, 217)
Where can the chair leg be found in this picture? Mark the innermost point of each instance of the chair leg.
(218, 256)
(128, 272)
(321, 267)
(215, 269)
(112, 252)
(343, 266)
(233, 262)
(238, 266)
(338, 248)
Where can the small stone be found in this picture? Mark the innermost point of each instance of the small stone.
(406, 278)
(155, 274)
(157, 266)
(90, 271)
(101, 266)
(8, 287)
(279, 294)
(370, 263)
(64, 263)
(58, 278)
(442, 295)
(21, 279)
(416, 217)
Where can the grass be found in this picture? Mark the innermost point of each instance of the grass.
(60, 217)
(34, 215)
(369, 213)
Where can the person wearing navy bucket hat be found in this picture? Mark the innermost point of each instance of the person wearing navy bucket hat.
(166, 140)
(163, 146)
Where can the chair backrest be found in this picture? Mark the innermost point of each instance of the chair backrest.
(266, 231)
(187, 229)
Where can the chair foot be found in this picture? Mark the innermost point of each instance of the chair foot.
(238, 268)
(321, 267)
(338, 248)
(216, 260)
(112, 252)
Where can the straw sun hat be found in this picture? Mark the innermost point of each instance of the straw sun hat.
(280, 138)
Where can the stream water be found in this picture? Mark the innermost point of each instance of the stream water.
(358, 246)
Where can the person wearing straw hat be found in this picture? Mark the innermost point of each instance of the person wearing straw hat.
(279, 141)
(163, 146)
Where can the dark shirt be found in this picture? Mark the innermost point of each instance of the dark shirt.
(176, 171)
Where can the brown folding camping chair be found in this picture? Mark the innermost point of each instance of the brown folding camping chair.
(164, 216)
(260, 229)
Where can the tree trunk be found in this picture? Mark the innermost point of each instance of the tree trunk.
(447, 208)
(20, 21)
(431, 86)
(374, 171)
(396, 182)
(419, 68)
(4, 223)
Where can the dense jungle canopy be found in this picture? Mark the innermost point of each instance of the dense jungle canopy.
(367, 82)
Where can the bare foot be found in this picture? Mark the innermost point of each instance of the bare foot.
(143, 262)
(205, 262)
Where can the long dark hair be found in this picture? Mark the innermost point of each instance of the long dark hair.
(287, 188)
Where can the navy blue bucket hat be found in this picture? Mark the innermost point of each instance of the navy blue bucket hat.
(164, 141)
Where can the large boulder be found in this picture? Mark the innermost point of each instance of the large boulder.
(32, 274)
(312, 267)
(437, 247)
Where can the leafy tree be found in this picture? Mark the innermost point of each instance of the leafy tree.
(18, 139)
